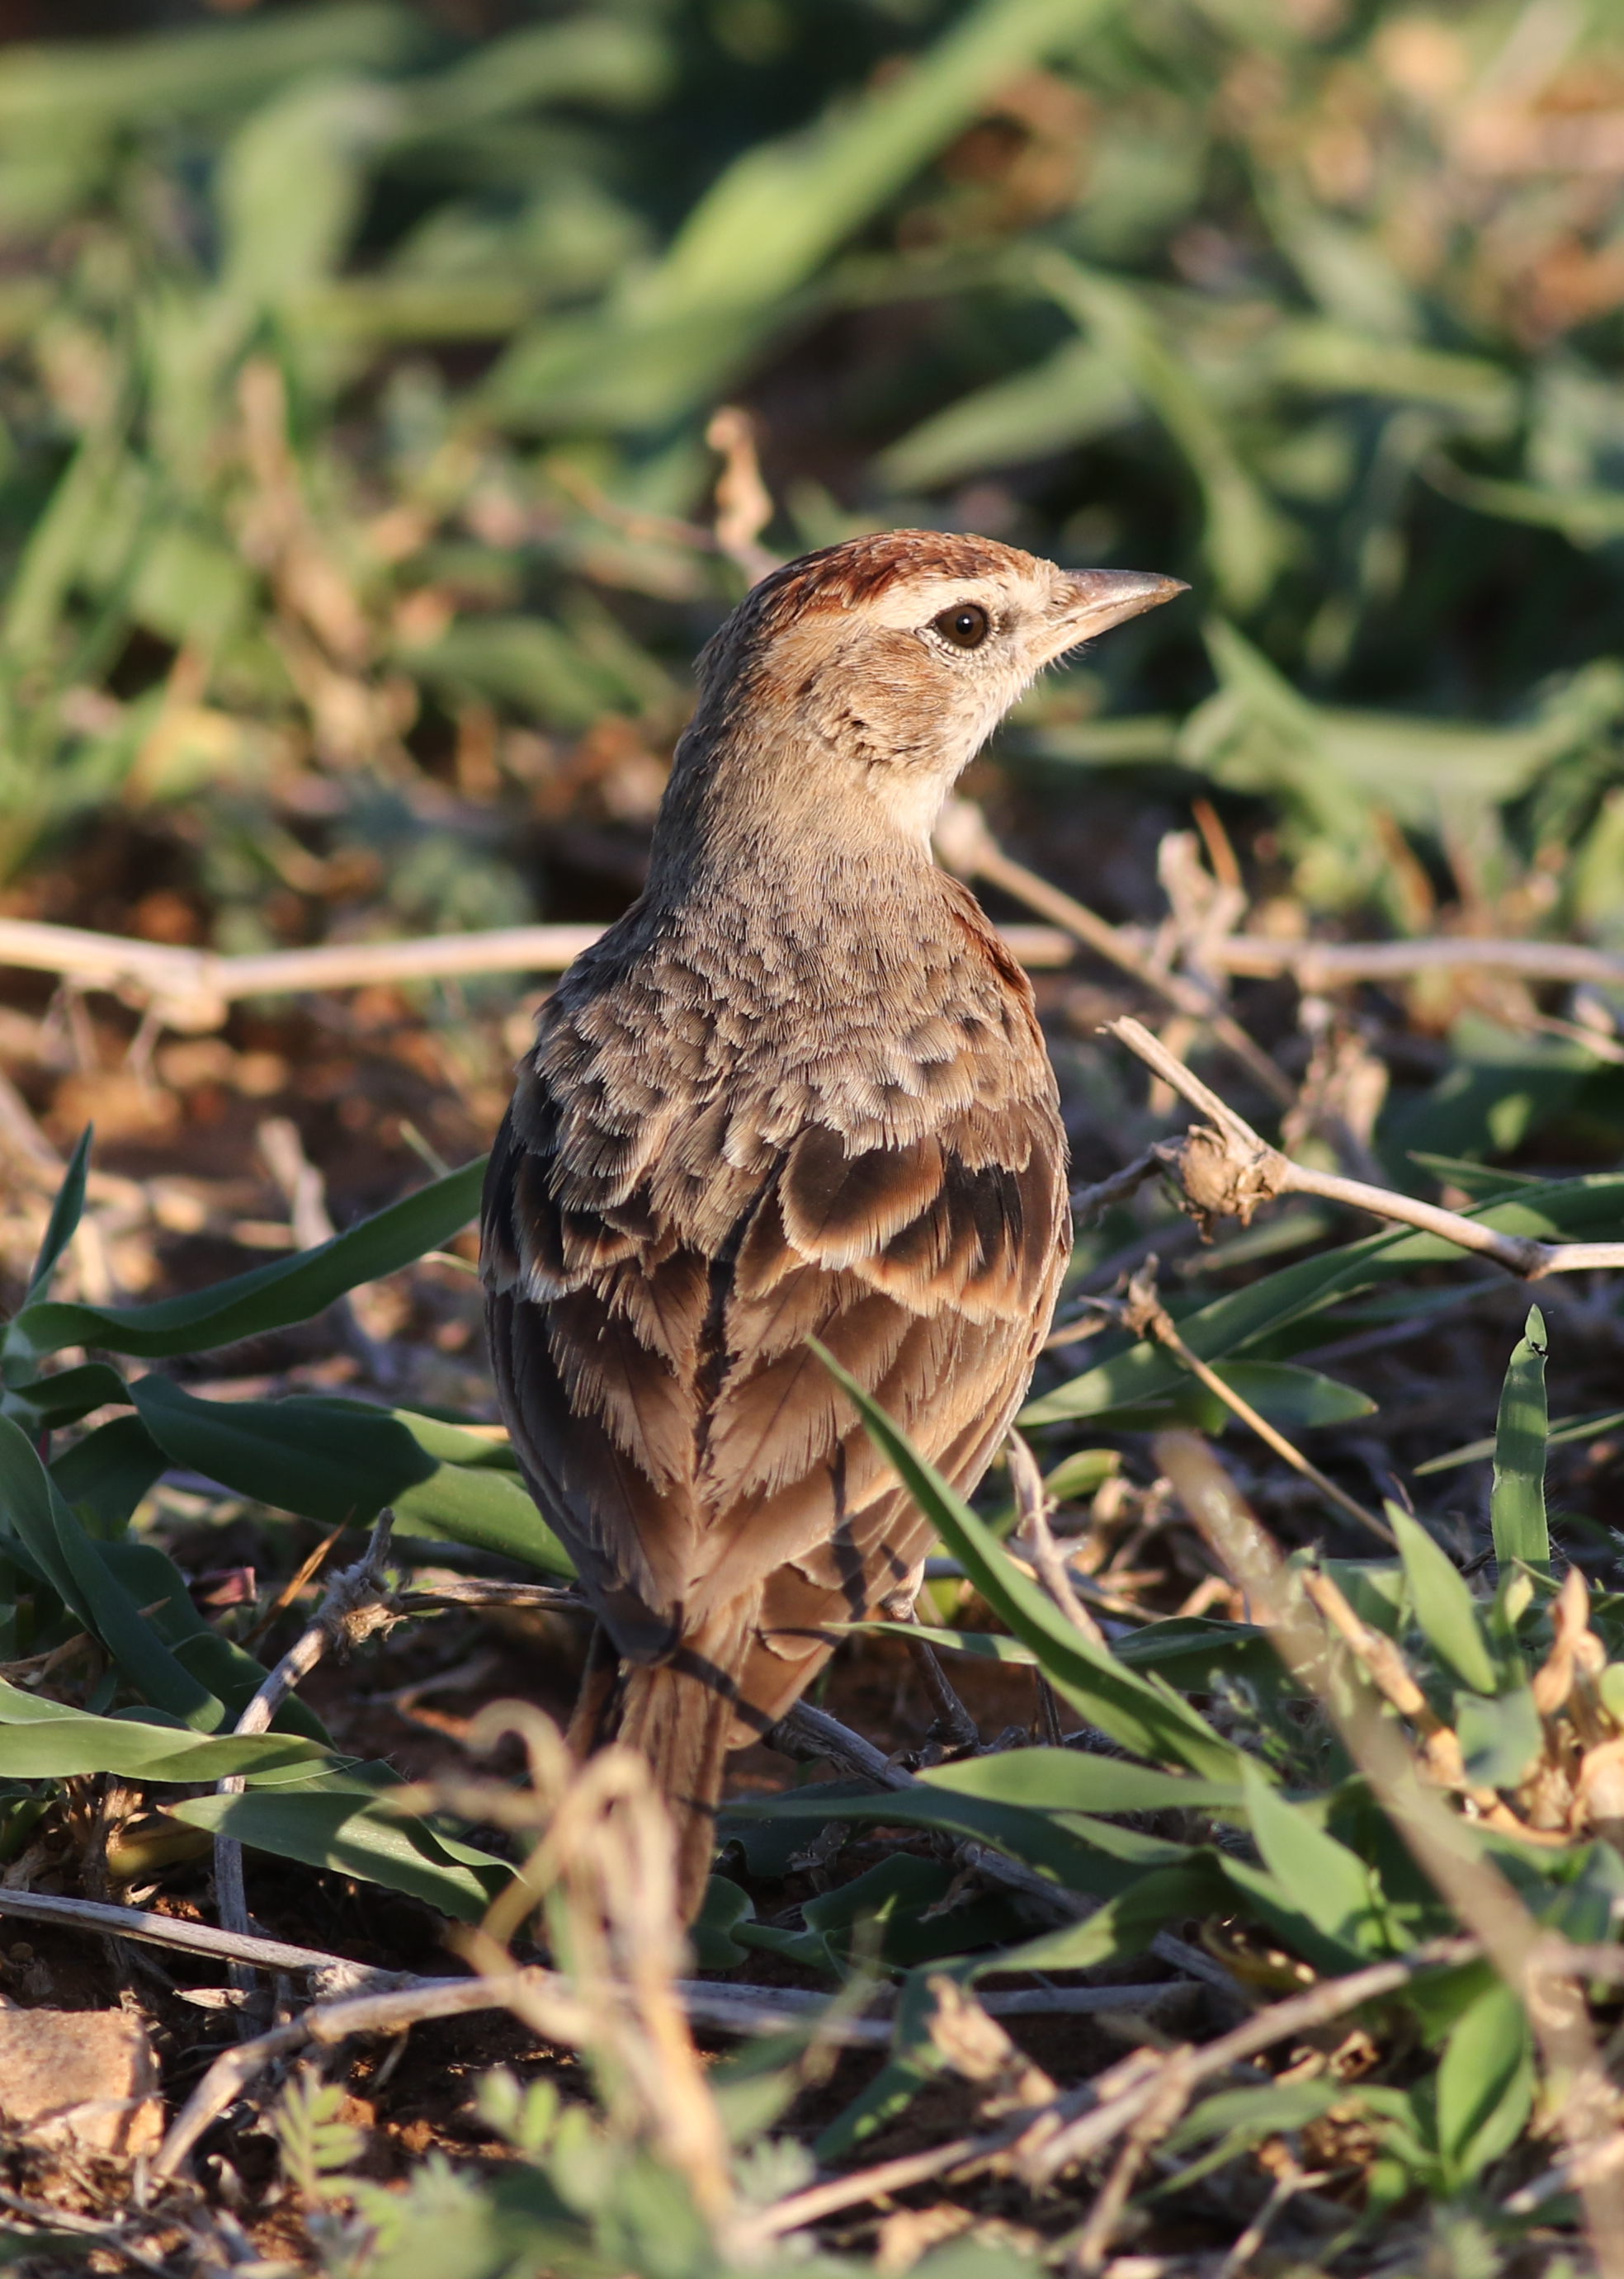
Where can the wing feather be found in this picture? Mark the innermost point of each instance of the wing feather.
(657, 1268)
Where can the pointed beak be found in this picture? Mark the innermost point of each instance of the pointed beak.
(1090, 601)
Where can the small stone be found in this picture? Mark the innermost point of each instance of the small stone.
(86, 2078)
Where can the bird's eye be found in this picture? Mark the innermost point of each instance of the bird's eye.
(966, 625)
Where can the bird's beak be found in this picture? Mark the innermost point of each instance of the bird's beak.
(1090, 601)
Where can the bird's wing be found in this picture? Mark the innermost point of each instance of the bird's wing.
(651, 1297)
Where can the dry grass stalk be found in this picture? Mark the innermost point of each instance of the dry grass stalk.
(353, 1607)
(1143, 1314)
(193, 990)
(601, 1873)
(1538, 1965)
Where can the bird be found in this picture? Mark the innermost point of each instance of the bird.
(797, 1092)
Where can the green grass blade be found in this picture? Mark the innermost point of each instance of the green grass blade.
(340, 1461)
(271, 1297)
(48, 1740)
(65, 1213)
(1517, 1506)
(1443, 1604)
(350, 1831)
(1145, 1716)
(39, 1521)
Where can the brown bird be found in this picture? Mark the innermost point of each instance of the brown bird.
(799, 1090)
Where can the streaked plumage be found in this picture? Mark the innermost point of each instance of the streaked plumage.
(799, 1090)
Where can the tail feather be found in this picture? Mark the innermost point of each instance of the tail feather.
(680, 1715)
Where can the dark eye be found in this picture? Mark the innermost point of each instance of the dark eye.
(966, 625)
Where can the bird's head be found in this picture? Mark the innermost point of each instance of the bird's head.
(891, 658)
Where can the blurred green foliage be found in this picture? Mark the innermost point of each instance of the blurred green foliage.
(356, 377)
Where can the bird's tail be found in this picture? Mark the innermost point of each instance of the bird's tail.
(679, 1713)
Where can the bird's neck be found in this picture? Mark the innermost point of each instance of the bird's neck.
(795, 827)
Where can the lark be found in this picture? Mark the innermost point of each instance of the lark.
(797, 1092)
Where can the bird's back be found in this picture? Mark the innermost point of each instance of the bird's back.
(731, 1137)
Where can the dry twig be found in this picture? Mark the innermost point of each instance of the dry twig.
(193, 990)
(1037, 1538)
(1143, 1315)
(1227, 1171)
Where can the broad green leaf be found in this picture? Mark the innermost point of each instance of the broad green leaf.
(1442, 1603)
(1238, 2119)
(766, 225)
(48, 1535)
(1076, 1850)
(1129, 1922)
(1189, 1651)
(1078, 392)
(346, 1826)
(1517, 1505)
(156, 1584)
(1194, 1652)
(198, 70)
(1485, 2083)
(1319, 1876)
(1500, 1736)
(106, 1475)
(65, 1395)
(42, 1739)
(1082, 1474)
(1077, 1780)
(906, 1911)
(291, 1289)
(340, 1461)
(1247, 540)
(1288, 1396)
(1561, 1435)
(1144, 1714)
(981, 1646)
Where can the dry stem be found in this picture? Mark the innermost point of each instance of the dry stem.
(1228, 1171)
(193, 990)
(1144, 1315)
(352, 1609)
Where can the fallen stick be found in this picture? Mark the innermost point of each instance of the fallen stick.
(727, 2009)
(1319, 966)
(274, 1955)
(193, 990)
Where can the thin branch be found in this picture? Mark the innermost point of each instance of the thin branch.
(1092, 2120)
(1229, 1171)
(1318, 965)
(809, 1733)
(1087, 1203)
(194, 989)
(274, 1955)
(467, 1592)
